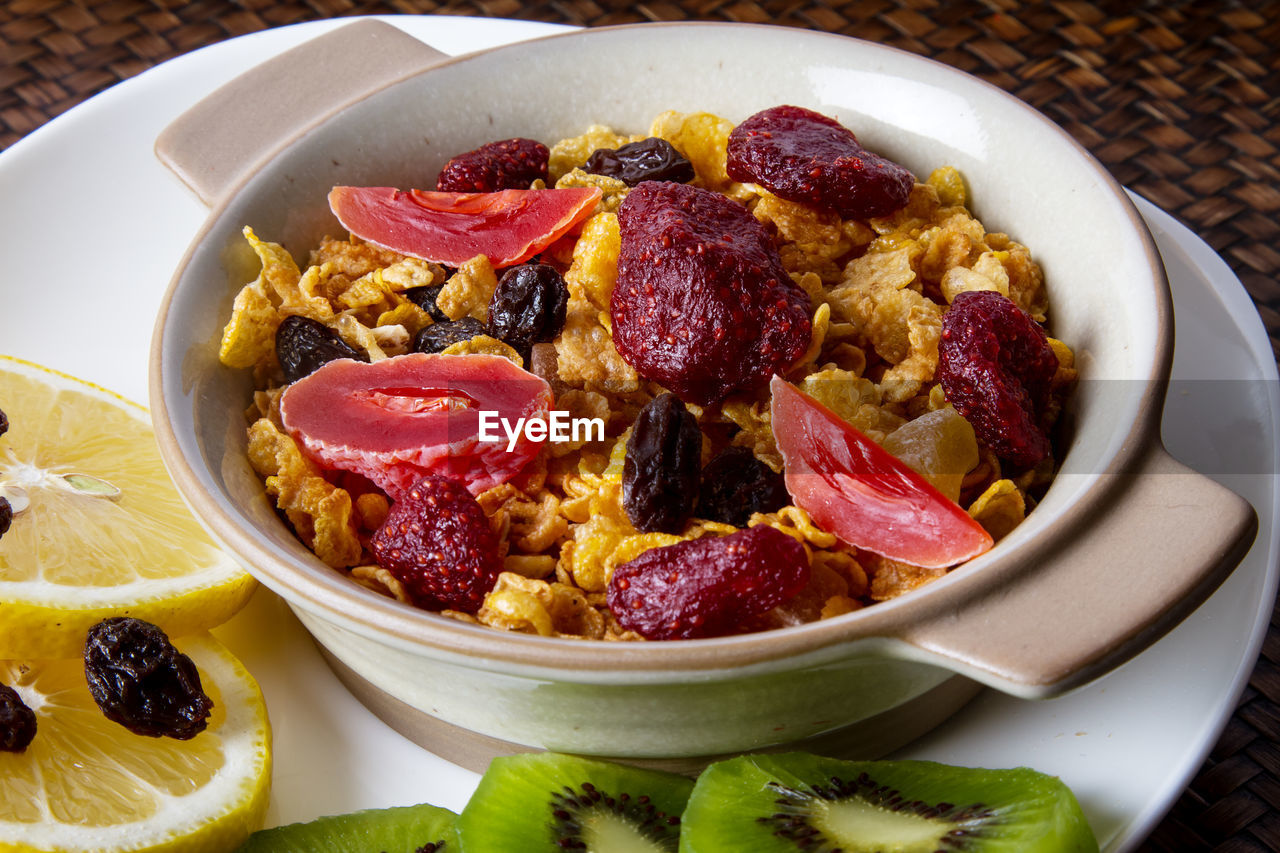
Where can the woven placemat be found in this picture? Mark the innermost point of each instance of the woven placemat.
(1180, 100)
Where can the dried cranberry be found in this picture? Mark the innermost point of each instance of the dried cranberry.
(652, 159)
(707, 587)
(702, 304)
(660, 471)
(142, 682)
(438, 543)
(995, 365)
(440, 336)
(303, 345)
(528, 306)
(17, 721)
(736, 484)
(806, 157)
(509, 164)
(425, 298)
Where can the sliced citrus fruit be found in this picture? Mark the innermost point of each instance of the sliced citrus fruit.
(98, 529)
(86, 783)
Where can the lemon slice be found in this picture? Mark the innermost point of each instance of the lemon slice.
(88, 784)
(98, 528)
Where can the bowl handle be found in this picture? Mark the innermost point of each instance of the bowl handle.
(1154, 549)
(228, 134)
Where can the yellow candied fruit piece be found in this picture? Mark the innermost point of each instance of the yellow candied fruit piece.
(940, 446)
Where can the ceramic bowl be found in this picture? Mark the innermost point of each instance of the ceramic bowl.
(1124, 545)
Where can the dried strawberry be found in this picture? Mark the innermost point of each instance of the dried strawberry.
(995, 365)
(702, 304)
(509, 164)
(707, 587)
(438, 543)
(806, 157)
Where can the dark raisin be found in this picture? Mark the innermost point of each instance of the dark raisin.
(660, 471)
(6, 515)
(17, 721)
(995, 366)
(303, 345)
(142, 682)
(651, 159)
(528, 306)
(439, 336)
(425, 298)
(509, 164)
(4, 422)
(736, 484)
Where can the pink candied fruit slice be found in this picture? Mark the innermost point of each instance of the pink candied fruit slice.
(854, 488)
(507, 226)
(399, 419)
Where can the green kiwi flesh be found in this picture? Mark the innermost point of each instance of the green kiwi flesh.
(403, 829)
(798, 801)
(553, 802)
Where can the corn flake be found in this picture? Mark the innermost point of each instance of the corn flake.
(569, 154)
(702, 138)
(999, 509)
(484, 345)
(468, 291)
(594, 271)
(320, 512)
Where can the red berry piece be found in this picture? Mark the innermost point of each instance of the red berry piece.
(806, 157)
(995, 365)
(707, 587)
(702, 304)
(437, 542)
(510, 164)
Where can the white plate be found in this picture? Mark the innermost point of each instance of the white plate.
(92, 226)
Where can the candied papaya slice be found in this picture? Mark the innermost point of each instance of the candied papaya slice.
(399, 419)
(451, 228)
(854, 488)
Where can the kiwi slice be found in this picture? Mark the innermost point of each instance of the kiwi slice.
(555, 802)
(798, 801)
(403, 829)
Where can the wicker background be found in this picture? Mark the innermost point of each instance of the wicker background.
(1180, 100)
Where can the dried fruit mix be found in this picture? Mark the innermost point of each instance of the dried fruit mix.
(746, 313)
